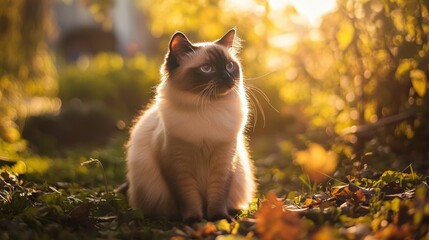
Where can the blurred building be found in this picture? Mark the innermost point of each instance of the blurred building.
(80, 34)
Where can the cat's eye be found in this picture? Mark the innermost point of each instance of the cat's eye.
(230, 66)
(207, 68)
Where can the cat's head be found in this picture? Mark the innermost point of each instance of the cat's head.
(209, 68)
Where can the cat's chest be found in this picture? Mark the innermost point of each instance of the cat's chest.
(209, 123)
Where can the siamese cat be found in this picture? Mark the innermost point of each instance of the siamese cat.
(186, 156)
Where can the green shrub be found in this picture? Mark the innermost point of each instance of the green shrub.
(122, 86)
(99, 96)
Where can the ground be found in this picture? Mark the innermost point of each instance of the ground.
(388, 205)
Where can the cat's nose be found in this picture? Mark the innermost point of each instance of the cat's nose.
(226, 76)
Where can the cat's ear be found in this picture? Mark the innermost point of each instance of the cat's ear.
(180, 45)
(228, 39)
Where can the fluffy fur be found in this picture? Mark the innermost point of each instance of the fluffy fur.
(187, 156)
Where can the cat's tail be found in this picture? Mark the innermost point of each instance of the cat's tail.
(123, 188)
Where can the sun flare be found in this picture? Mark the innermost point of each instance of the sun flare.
(311, 10)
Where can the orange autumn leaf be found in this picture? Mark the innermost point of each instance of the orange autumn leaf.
(274, 222)
(359, 196)
(202, 231)
(324, 233)
(345, 192)
(177, 238)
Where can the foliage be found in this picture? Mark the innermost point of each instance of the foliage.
(27, 73)
(382, 69)
(100, 96)
(121, 85)
(63, 210)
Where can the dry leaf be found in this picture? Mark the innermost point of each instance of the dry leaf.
(274, 222)
(324, 233)
(205, 230)
(80, 215)
(177, 238)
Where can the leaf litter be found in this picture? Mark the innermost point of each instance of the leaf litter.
(390, 205)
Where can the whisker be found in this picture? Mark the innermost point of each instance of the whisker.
(197, 104)
(211, 91)
(254, 110)
(259, 77)
(200, 105)
(236, 90)
(202, 98)
(196, 87)
(259, 105)
(214, 93)
(258, 90)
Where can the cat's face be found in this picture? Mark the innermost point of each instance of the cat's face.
(210, 69)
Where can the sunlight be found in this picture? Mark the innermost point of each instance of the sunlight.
(311, 10)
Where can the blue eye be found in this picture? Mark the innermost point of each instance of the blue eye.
(230, 66)
(207, 68)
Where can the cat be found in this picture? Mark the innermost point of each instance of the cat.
(187, 154)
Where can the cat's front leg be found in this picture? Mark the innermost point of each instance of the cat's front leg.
(219, 181)
(190, 202)
(183, 186)
(187, 197)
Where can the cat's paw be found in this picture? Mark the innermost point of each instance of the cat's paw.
(234, 212)
(192, 219)
(192, 215)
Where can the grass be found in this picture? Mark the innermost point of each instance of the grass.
(74, 197)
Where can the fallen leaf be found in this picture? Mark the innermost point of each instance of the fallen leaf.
(177, 238)
(80, 215)
(203, 230)
(275, 222)
(324, 233)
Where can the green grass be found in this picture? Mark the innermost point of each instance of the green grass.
(74, 198)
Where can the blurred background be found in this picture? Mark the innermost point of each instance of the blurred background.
(337, 87)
